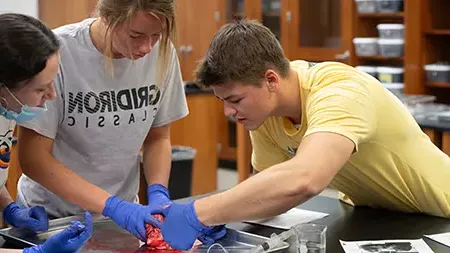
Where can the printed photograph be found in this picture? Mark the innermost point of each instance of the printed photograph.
(388, 247)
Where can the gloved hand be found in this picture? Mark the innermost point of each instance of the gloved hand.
(131, 217)
(158, 194)
(69, 240)
(34, 218)
(181, 227)
(211, 236)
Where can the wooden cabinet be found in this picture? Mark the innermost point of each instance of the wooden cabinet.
(434, 40)
(311, 30)
(60, 12)
(197, 23)
(319, 30)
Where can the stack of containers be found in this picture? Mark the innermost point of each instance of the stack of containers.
(391, 36)
(389, 43)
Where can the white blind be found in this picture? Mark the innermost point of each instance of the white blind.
(28, 7)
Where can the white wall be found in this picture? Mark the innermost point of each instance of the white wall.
(28, 7)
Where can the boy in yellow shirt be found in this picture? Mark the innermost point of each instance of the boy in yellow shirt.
(312, 125)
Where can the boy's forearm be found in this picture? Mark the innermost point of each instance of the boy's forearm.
(264, 195)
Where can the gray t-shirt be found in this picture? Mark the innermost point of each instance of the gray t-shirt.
(98, 121)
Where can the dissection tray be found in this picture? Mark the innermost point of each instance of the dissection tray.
(110, 238)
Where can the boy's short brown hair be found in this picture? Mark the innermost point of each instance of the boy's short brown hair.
(241, 51)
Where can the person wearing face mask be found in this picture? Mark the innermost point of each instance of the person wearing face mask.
(29, 63)
(119, 88)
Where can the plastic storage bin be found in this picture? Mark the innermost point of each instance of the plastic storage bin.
(438, 72)
(371, 70)
(396, 88)
(390, 74)
(391, 31)
(366, 46)
(391, 47)
(180, 180)
(366, 6)
(389, 5)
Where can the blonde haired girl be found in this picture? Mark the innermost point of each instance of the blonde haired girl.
(84, 153)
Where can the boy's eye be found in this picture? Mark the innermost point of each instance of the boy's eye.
(134, 36)
(236, 101)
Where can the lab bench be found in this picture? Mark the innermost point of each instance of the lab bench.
(350, 223)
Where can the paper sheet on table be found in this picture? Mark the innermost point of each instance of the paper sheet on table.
(290, 218)
(443, 238)
(404, 246)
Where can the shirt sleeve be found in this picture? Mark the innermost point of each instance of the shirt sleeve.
(173, 104)
(344, 108)
(47, 123)
(265, 153)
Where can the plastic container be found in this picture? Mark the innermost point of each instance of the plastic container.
(371, 70)
(366, 6)
(391, 47)
(396, 88)
(391, 31)
(389, 5)
(444, 116)
(390, 74)
(269, 5)
(180, 180)
(437, 72)
(366, 46)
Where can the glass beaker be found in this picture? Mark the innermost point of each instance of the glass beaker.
(311, 238)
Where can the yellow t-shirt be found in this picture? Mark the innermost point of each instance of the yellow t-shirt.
(394, 165)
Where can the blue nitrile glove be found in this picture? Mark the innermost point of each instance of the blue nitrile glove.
(35, 218)
(69, 240)
(181, 227)
(211, 236)
(131, 217)
(158, 195)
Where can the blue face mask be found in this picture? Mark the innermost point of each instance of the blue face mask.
(26, 112)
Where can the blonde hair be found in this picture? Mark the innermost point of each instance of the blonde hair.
(115, 12)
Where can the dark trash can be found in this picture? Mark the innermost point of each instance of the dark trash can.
(180, 180)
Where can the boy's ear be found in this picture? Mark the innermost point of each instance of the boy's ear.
(272, 79)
